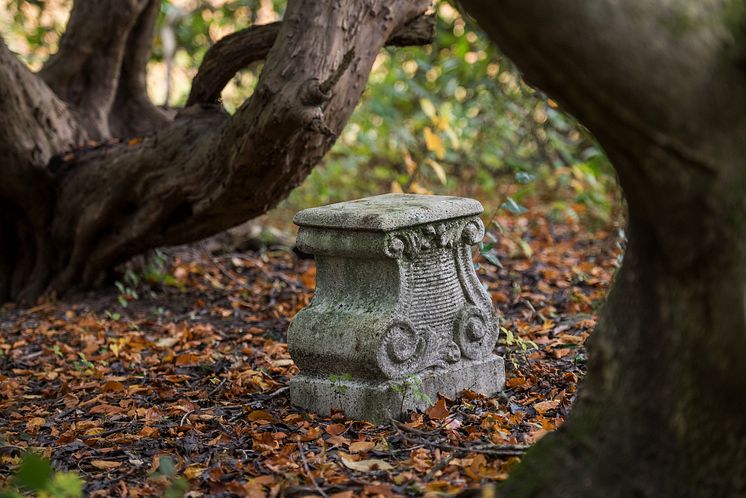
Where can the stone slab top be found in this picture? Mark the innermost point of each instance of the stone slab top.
(383, 213)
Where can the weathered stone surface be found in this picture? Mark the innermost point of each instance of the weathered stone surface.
(388, 212)
(399, 313)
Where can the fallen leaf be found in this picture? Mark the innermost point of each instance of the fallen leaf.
(545, 406)
(439, 410)
(35, 423)
(312, 434)
(362, 446)
(105, 464)
(149, 431)
(335, 429)
(113, 386)
(194, 471)
(167, 342)
(260, 415)
(364, 465)
(187, 359)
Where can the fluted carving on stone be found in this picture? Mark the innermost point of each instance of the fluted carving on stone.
(397, 296)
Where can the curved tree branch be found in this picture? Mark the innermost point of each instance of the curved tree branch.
(33, 120)
(133, 113)
(208, 171)
(226, 57)
(85, 71)
(238, 50)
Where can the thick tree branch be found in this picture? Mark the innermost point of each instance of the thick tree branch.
(85, 70)
(133, 113)
(242, 48)
(34, 125)
(208, 171)
(226, 57)
(33, 121)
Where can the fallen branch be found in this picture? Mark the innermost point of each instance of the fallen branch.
(494, 450)
(308, 471)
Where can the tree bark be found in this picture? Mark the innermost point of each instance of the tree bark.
(242, 48)
(85, 70)
(193, 177)
(662, 86)
(34, 125)
(133, 113)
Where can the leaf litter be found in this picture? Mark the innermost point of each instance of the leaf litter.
(191, 376)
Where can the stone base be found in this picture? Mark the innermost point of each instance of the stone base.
(378, 401)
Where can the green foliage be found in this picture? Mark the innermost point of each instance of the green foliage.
(515, 345)
(453, 117)
(456, 117)
(411, 384)
(126, 289)
(338, 381)
(177, 485)
(35, 476)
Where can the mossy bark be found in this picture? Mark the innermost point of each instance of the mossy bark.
(661, 410)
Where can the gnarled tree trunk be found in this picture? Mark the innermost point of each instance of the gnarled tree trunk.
(662, 85)
(66, 219)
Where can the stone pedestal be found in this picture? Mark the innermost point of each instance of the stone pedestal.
(399, 314)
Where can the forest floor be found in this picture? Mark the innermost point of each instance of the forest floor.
(176, 378)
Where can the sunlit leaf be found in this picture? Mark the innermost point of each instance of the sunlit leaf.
(512, 206)
(434, 143)
(437, 169)
(429, 109)
(364, 465)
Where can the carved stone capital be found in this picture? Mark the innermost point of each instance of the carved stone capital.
(397, 299)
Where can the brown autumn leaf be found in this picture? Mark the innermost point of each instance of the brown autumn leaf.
(335, 429)
(439, 410)
(265, 443)
(105, 409)
(361, 446)
(167, 342)
(364, 465)
(260, 415)
(544, 406)
(149, 431)
(309, 278)
(515, 382)
(194, 471)
(105, 464)
(33, 424)
(312, 434)
(187, 359)
(113, 386)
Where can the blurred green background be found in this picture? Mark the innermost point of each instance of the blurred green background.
(454, 117)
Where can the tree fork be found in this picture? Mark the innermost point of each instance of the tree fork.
(85, 70)
(205, 171)
(133, 113)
